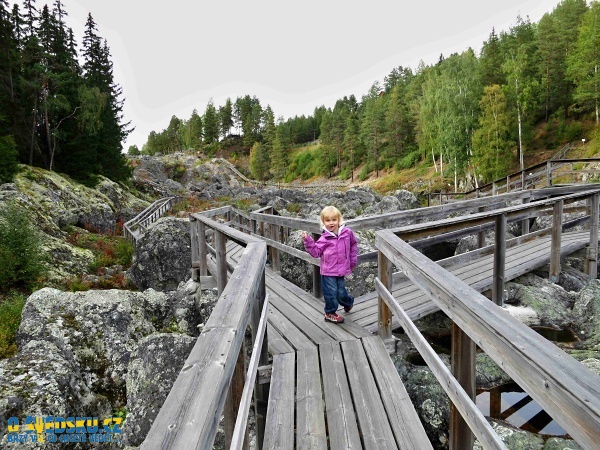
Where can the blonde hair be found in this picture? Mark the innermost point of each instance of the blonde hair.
(331, 212)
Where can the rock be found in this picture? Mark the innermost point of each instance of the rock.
(152, 370)
(162, 255)
(551, 302)
(514, 439)
(586, 313)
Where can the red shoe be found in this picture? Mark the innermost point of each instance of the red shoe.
(333, 317)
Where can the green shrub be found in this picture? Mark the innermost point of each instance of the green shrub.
(408, 161)
(20, 249)
(10, 318)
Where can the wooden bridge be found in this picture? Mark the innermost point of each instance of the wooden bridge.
(313, 384)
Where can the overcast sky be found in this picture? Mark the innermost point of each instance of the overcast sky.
(173, 56)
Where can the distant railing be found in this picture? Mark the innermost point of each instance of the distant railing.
(548, 173)
(132, 229)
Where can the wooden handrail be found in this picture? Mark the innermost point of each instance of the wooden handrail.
(565, 388)
(191, 413)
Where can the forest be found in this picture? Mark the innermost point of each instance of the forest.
(474, 114)
(60, 108)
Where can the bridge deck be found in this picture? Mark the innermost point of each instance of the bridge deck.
(334, 386)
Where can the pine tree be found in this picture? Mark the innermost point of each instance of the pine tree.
(259, 162)
(211, 124)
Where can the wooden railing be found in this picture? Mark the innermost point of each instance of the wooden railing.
(565, 388)
(192, 411)
(548, 173)
(212, 382)
(133, 228)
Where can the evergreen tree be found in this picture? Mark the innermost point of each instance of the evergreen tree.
(259, 162)
(226, 118)
(9, 165)
(211, 124)
(104, 147)
(583, 65)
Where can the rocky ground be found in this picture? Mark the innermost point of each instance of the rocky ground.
(99, 353)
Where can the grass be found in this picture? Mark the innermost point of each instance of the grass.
(11, 307)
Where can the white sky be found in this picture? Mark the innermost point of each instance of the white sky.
(171, 57)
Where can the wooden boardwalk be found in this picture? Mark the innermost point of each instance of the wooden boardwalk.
(334, 386)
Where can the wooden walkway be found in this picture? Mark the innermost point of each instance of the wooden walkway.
(334, 386)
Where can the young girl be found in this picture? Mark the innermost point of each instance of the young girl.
(338, 249)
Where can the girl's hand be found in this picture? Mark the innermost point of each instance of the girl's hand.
(304, 234)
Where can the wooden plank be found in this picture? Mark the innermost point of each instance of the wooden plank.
(342, 428)
(406, 425)
(287, 329)
(310, 407)
(279, 429)
(277, 344)
(375, 429)
(311, 307)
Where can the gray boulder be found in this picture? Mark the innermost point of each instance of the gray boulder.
(162, 256)
(152, 370)
(587, 313)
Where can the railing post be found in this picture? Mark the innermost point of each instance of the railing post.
(203, 266)
(220, 249)
(481, 234)
(548, 173)
(592, 250)
(234, 396)
(274, 251)
(522, 180)
(261, 391)
(383, 311)
(525, 222)
(556, 240)
(462, 363)
(499, 260)
(317, 291)
(194, 250)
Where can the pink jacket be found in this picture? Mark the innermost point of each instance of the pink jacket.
(338, 253)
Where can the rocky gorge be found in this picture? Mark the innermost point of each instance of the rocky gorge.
(104, 352)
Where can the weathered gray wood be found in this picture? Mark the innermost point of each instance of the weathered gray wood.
(342, 427)
(239, 435)
(592, 252)
(221, 258)
(460, 399)
(287, 329)
(233, 400)
(404, 420)
(383, 311)
(374, 426)
(499, 260)
(462, 360)
(310, 407)
(556, 236)
(279, 429)
(277, 344)
(290, 250)
(524, 354)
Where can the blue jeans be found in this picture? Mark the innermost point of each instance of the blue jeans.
(335, 294)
